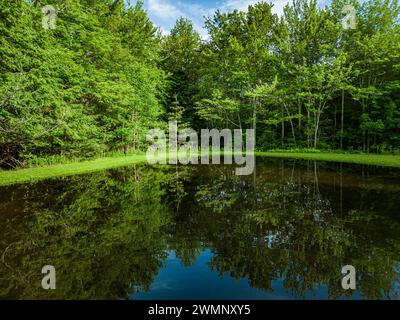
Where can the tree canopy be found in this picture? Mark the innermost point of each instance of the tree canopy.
(105, 75)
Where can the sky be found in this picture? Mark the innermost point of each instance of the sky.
(164, 13)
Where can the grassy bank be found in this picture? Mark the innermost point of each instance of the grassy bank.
(58, 170)
(38, 173)
(369, 159)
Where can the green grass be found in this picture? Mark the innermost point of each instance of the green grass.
(369, 159)
(59, 170)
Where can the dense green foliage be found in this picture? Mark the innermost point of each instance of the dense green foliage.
(89, 86)
(303, 80)
(104, 76)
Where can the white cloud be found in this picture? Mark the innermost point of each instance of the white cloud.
(163, 10)
(241, 5)
(164, 13)
(279, 5)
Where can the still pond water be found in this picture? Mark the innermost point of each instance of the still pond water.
(200, 232)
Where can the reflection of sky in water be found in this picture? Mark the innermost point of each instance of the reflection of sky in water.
(199, 282)
(287, 219)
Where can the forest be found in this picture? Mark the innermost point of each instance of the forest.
(106, 75)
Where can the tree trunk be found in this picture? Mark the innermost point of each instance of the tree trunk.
(316, 129)
(255, 116)
(291, 124)
(308, 129)
(283, 128)
(342, 122)
(299, 114)
(134, 134)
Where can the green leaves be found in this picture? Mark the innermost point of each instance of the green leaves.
(105, 75)
(92, 84)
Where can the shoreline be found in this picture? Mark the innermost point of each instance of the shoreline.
(60, 170)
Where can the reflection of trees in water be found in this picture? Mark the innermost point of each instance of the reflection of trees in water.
(100, 231)
(108, 233)
(280, 225)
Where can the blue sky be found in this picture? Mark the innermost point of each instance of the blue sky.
(164, 13)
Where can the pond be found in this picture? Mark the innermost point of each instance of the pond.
(201, 232)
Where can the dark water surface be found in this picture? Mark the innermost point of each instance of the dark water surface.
(201, 232)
